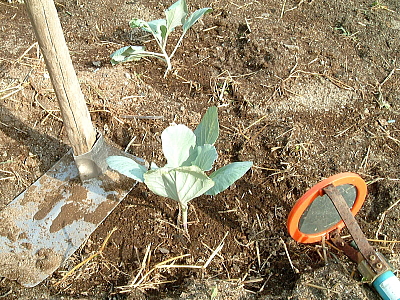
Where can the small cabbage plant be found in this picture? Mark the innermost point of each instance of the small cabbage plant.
(189, 155)
(176, 15)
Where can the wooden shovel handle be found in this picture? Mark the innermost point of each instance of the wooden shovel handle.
(75, 114)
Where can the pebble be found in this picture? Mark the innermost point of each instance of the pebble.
(96, 63)
(163, 250)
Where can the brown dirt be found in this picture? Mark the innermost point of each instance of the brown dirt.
(305, 89)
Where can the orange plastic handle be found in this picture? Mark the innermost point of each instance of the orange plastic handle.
(306, 200)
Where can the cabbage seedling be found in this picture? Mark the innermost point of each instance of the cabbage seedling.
(189, 156)
(176, 15)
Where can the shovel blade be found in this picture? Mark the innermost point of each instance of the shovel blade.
(51, 219)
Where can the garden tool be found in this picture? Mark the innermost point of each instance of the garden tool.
(330, 206)
(53, 217)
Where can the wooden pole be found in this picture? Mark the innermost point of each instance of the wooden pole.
(46, 25)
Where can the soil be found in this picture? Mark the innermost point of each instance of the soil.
(304, 89)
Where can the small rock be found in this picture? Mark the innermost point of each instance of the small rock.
(163, 250)
(96, 63)
(383, 122)
(292, 47)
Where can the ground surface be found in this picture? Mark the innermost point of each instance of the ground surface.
(305, 89)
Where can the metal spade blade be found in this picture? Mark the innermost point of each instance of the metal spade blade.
(44, 225)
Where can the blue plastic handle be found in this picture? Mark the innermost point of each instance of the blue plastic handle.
(388, 286)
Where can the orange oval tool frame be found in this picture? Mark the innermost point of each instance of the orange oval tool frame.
(317, 190)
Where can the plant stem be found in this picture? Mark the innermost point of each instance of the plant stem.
(169, 65)
(162, 45)
(154, 54)
(167, 60)
(184, 210)
(177, 45)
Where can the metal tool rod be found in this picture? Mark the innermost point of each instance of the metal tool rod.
(354, 229)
